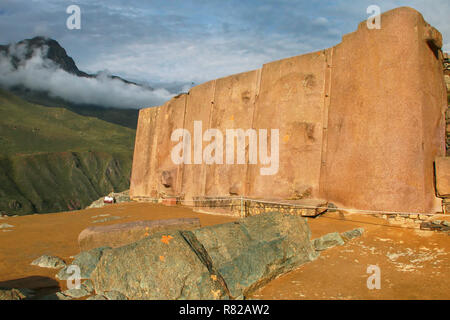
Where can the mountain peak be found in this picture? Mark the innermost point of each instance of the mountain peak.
(55, 52)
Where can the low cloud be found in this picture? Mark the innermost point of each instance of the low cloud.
(181, 41)
(41, 73)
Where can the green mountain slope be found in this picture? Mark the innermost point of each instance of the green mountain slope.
(124, 117)
(54, 52)
(52, 159)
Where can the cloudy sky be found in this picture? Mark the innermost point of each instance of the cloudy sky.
(162, 42)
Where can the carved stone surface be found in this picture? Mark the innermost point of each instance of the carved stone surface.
(360, 124)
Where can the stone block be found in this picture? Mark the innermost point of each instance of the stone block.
(162, 266)
(117, 235)
(328, 241)
(443, 176)
(216, 262)
(251, 252)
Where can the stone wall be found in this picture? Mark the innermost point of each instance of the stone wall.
(359, 124)
(386, 122)
(245, 207)
(445, 176)
(447, 114)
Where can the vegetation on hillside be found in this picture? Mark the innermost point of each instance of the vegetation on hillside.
(52, 159)
(124, 117)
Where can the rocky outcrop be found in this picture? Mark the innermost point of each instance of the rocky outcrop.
(217, 262)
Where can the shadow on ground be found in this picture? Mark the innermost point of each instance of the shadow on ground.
(39, 286)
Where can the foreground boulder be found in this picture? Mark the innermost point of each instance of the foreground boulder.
(161, 266)
(257, 249)
(118, 235)
(86, 261)
(215, 262)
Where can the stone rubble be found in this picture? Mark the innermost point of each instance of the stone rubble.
(333, 239)
(435, 225)
(46, 261)
(418, 221)
(328, 241)
(114, 295)
(15, 294)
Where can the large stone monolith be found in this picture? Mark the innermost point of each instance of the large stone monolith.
(217, 262)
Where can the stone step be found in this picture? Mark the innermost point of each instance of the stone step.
(442, 170)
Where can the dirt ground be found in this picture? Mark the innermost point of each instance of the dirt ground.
(414, 264)
(57, 234)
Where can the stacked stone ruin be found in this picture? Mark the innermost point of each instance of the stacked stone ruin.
(360, 125)
(447, 114)
(446, 174)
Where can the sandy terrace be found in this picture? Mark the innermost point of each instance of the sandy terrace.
(414, 264)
